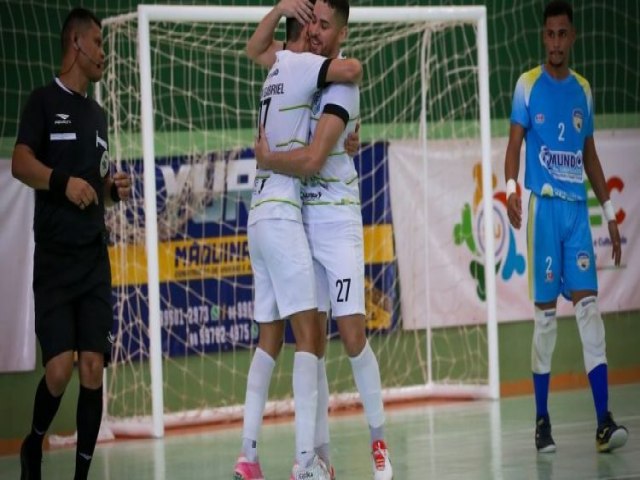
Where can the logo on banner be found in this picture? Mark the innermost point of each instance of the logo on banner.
(470, 233)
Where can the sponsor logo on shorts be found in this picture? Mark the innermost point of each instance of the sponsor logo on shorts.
(583, 261)
(110, 338)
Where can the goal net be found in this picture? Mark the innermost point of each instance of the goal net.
(181, 98)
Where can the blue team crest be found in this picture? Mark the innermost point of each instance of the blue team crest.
(315, 102)
(578, 117)
(583, 261)
(540, 118)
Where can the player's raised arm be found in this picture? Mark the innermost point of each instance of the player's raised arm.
(593, 169)
(306, 160)
(347, 70)
(511, 170)
(262, 46)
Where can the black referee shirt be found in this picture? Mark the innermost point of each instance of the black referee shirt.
(67, 131)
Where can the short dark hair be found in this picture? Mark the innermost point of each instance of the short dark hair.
(293, 28)
(341, 7)
(557, 8)
(78, 17)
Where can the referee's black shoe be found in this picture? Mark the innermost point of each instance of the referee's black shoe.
(544, 440)
(610, 435)
(30, 460)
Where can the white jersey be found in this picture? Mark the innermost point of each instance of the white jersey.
(285, 103)
(333, 194)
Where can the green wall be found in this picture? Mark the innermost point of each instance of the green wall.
(607, 52)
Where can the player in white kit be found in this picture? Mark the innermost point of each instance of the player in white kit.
(280, 255)
(333, 221)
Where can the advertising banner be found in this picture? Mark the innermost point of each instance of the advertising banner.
(438, 219)
(206, 283)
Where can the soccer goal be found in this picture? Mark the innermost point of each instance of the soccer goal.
(181, 97)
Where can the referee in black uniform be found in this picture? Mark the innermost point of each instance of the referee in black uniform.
(62, 152)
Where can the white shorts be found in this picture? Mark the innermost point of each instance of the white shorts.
(283, 276)
(338, 260)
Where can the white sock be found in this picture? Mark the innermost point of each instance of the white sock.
(321, 442)
(258, 382)
(305, 396)
(367, 376)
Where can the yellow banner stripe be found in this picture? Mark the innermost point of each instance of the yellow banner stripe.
(217, 257)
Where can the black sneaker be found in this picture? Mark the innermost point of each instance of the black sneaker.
(610, 435)
(544, 440)
(30, 461)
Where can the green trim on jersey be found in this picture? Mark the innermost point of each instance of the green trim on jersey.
(344, 202)
(354, 179)
(293, 140)
(295, 107)
(350, 120)
(323, 179)
(336, 154)
(278, 200)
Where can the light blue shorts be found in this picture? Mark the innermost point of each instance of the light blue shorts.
(560, 249)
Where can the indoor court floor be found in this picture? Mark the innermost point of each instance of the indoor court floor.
(461, 440)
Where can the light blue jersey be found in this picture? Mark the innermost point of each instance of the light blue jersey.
(557, 116)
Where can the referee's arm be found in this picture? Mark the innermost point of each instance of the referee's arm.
(116, 188)
(32, 172)
(28, 169)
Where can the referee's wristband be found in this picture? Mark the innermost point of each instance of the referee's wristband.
(58, 181)
(609, 214)
(511, 187)
(113, 193)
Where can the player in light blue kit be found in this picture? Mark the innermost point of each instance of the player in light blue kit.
(553, 111)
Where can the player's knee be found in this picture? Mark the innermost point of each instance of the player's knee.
(58, 379)
(91, 369)
(354, 343)
(270, 342)
(544, 340)
(58, 372)
(353, 333)
(592, 334)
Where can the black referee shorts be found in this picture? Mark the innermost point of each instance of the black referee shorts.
(73, 305)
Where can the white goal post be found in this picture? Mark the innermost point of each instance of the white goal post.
(148, 14)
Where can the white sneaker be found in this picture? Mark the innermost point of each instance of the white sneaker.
(381, 464)
(316, 471)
